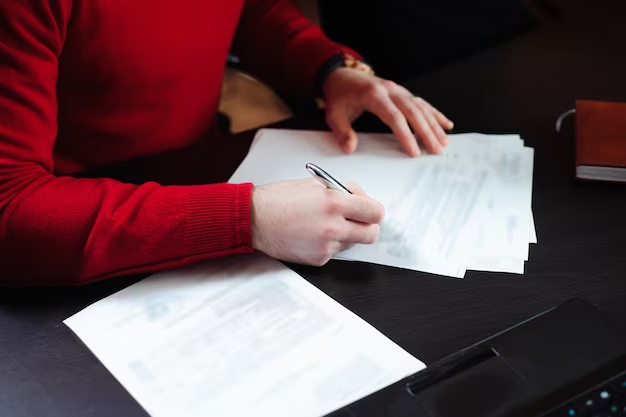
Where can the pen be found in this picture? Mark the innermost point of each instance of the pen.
(325, 178)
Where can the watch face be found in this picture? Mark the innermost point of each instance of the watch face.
(352, 62)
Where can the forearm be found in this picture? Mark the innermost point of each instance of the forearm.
(277, 43)
(66, 231)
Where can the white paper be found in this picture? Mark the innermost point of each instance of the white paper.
(433, 202)
(504, 231)
(502, 238)
(495, 238)
(495, 264)
(429, 225)
(238, 337)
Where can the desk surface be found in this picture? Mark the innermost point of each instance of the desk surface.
(520, 87)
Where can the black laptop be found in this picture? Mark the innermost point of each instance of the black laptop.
(569, 361)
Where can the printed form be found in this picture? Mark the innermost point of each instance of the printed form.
(467, 208)
(503, 238)
(433, 204)
(238, 337)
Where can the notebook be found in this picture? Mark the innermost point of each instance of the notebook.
(601, 141)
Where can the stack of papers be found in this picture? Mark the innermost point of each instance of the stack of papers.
(468, 208)
(238, 337)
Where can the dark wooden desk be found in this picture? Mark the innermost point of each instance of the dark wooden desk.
(520, 87)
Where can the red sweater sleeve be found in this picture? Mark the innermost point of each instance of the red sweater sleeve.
(277, 43)
(63, 230)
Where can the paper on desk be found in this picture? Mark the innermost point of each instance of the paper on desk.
(508, 228)
(433, 203)
(503, 238)
(533, 231)
(430, 225)
(507, 140)
(499, 241)
(495, 264)
(499, 141)
(505, 229)
(239, 337)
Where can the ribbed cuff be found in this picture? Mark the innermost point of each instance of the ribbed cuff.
(217, 219)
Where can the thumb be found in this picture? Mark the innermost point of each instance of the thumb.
(341, 126)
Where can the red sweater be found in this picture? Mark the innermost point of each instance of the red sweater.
(85, 83)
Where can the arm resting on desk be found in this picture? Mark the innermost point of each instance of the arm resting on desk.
(63, 230)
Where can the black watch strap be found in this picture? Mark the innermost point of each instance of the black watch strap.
(338, 60)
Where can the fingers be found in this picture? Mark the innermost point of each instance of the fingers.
(331, 249)
(359, 233)
(345, 246)
(423, 123)
(383, 107)
(401, 90)
(441, 119)
(356, 189)
(357, 208)
(399, 109)
(341, 126)
(347, 233)
(435, 125)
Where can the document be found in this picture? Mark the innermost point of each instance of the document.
(502, 240)
(495, 264)
(433, 203)
(238, 337)
(468, 208)
(428, 225)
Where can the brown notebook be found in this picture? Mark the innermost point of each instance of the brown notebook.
(601, 141)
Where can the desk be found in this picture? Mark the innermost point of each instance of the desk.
(520, 87)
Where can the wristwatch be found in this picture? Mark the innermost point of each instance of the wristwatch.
(340, 60)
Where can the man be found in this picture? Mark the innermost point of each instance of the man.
(86, 83)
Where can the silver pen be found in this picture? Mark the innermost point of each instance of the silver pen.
(326, 179)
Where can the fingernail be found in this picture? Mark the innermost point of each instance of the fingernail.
(349, 146)
(352, 143)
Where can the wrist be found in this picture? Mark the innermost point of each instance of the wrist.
(336, 62)
(256, 202)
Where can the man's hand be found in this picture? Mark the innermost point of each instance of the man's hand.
(349, 92)
(304, 222)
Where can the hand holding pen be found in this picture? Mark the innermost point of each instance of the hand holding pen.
(299, 221)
